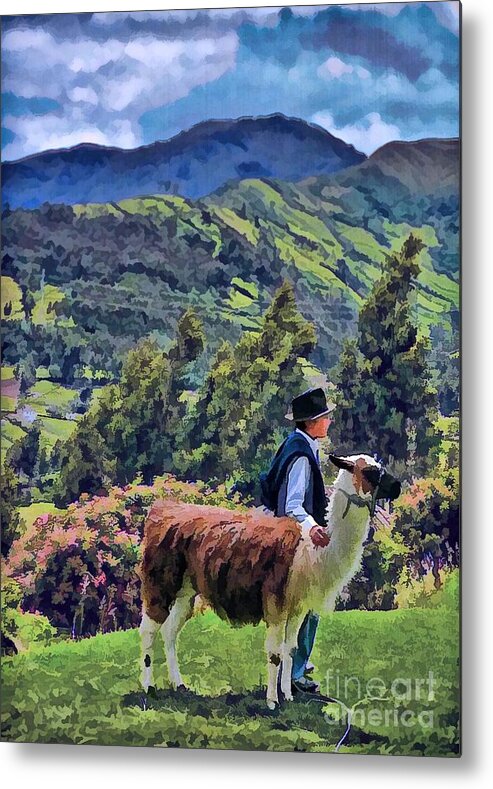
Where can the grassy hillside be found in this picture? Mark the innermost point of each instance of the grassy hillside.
(88, 692)
(103, 275)
(42, 401)
(333, 253)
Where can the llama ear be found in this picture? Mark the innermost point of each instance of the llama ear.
(344, 463)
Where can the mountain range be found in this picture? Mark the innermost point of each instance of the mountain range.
(107, 273)
(192, 164)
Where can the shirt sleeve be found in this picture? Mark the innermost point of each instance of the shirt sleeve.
(298, 478)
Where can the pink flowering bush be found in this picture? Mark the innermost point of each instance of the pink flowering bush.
(78, 568)
(427, 518)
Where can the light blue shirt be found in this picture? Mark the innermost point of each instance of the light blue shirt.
(297, 483)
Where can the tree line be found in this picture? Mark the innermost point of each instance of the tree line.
(154, 421)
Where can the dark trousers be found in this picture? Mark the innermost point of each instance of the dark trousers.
(306, 637)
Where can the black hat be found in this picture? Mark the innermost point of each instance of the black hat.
(310, 405)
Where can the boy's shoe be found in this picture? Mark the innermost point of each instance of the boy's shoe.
(304, 685)
(310, 668)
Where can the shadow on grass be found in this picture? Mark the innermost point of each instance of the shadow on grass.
(303, 713)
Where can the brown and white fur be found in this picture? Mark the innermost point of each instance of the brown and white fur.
(249, 566)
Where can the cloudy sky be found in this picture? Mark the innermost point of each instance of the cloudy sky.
(367, 73)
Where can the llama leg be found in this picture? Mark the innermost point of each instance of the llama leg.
(273, 646)
(180, 611)
(289, 647)
(148, 630)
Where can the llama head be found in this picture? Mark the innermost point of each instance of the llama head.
(368, 477)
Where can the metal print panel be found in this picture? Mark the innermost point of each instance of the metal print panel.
(230, 382)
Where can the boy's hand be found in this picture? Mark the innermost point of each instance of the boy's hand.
(319, 536)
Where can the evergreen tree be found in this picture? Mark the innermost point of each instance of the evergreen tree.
(348, 433)
(445, 362)
(9, 501)
(23, 455)
(84, 464)
(384, 384)
(201, 451)
(239, 417)
(133, 427)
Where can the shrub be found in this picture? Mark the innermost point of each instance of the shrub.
(374, 586)
(427, 518)
(422, 592)
(78, 568)
(20, 630)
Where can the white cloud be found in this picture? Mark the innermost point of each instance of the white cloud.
(104, 87)
(335, 68)
(155, 52)
(22, 39)
(368, 134)
(87, 95)
(62, 132)
(89, 56)
(306, 10)
(448, 15)
(325, 119)
(119, 94)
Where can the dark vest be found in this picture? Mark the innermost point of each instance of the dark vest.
(273, 482)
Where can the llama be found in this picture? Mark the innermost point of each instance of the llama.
(251, 566)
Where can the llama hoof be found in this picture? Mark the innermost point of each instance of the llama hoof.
(151, 691)
(181, 686)
(288, 696)
(271, 704)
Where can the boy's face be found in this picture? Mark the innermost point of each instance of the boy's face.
(317, 428)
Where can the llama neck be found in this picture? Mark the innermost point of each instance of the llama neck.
(342, 556)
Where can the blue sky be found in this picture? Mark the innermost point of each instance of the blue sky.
(367, 73)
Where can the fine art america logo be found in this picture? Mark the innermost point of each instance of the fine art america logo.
(404, 702)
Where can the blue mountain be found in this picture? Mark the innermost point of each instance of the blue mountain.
(192, 164)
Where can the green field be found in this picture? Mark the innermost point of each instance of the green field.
(46, 393)
(88, 691)
(6, 372)
(53, 429)
(8, 404)
(10, 433)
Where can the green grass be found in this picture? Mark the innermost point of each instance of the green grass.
(8, 404)
(6, 372)
(166, 205)
(44, 307)
(243, 226)
(47, 393)
(88, 692)
(238, 299)
(29, 514)
(53, 429)
(94, 210)
(12, 297)
(9, 434)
